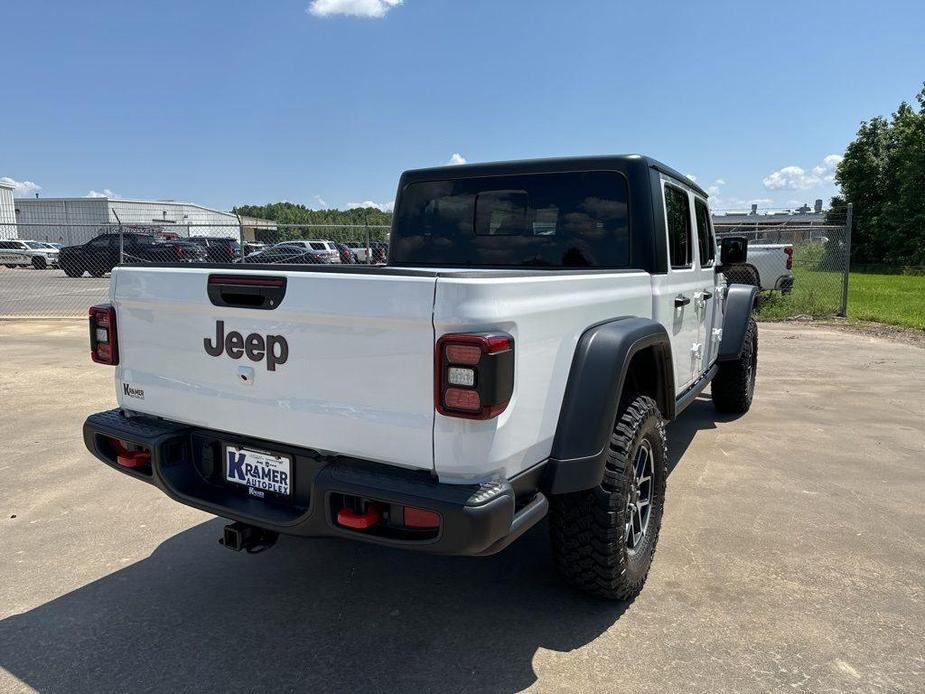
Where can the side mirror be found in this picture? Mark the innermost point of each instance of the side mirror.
(733, 250)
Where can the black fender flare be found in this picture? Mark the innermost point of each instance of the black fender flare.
(740, 299)
(592, 396)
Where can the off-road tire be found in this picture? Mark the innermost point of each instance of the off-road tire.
(39, 263)
(72, 271)
(588, 528)
(734, 384)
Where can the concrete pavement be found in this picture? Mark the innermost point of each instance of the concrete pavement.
(792, 558)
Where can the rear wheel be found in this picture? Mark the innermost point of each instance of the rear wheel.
(733, 386)
(603, 539)
(11, 267)
(72, 270)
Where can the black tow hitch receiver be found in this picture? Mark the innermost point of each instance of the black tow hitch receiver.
(250, 538)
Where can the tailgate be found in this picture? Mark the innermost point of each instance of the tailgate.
(357, 379)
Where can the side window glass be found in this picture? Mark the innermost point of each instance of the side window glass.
(678, 220)
(705, 234)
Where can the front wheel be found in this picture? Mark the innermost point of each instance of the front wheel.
(39, 263)
(72, 271)
(603, 539)
(733, 386)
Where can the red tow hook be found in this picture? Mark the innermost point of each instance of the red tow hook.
(349, 518)
(131, 459)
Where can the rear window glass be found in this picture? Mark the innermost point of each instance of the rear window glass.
(678, 209)
(318, 246)
(575, 219)
(704, 234)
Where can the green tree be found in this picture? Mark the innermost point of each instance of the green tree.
(883, 175)
(288, 213)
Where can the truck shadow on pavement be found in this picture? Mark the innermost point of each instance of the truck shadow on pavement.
(321, 615)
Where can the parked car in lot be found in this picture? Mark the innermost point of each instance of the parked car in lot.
(537, 325)
(218, 250)
(101, 254)
(358, 250)
(26, 253)
(347, 255)
(769, 267)
(320, 246)
(380, 251)
(293, 255)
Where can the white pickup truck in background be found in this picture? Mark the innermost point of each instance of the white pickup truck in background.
(769, 267)
(536, 325)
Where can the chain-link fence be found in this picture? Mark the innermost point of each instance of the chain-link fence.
(59, 269)
(55, 259)
(800, 261)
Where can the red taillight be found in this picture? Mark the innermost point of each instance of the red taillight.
(789, 251)
(462, 399)
(463, 354)
(104, 343)
(473, 374)
(421, 518)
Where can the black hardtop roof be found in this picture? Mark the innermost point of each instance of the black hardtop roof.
(616, 162)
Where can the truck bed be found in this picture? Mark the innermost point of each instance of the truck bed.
(358, 379)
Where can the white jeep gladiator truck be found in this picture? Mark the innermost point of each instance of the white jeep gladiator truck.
(536, 326)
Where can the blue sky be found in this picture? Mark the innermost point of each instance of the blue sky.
(327, 101)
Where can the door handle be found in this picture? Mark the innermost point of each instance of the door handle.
(681, 300)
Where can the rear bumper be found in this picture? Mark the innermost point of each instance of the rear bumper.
(187, 464)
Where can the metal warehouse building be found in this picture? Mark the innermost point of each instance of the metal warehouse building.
(7, 211)
(76, 220)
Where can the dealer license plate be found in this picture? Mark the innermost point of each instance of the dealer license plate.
(258, 471)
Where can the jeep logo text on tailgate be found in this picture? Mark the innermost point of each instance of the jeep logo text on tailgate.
(256, 347)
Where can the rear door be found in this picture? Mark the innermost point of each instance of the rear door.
(675, 293)
(707, 301)
(344, 363)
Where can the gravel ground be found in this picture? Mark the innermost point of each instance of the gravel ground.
(792, 558)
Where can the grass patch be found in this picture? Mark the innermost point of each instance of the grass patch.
(885, 297)
(893, 299)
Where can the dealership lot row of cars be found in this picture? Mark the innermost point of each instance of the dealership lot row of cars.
(101, 254)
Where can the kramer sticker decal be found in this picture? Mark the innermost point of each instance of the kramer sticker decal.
(130, 392)
(273, 349)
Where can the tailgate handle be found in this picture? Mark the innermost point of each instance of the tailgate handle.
(246, 291)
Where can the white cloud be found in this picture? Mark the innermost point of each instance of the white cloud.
(720, 202)
(692, 177)
(22, 189)
(105, 193)
(322, 203)
(383, 206)
(373, 9)
(796, 178)
(456, 159)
